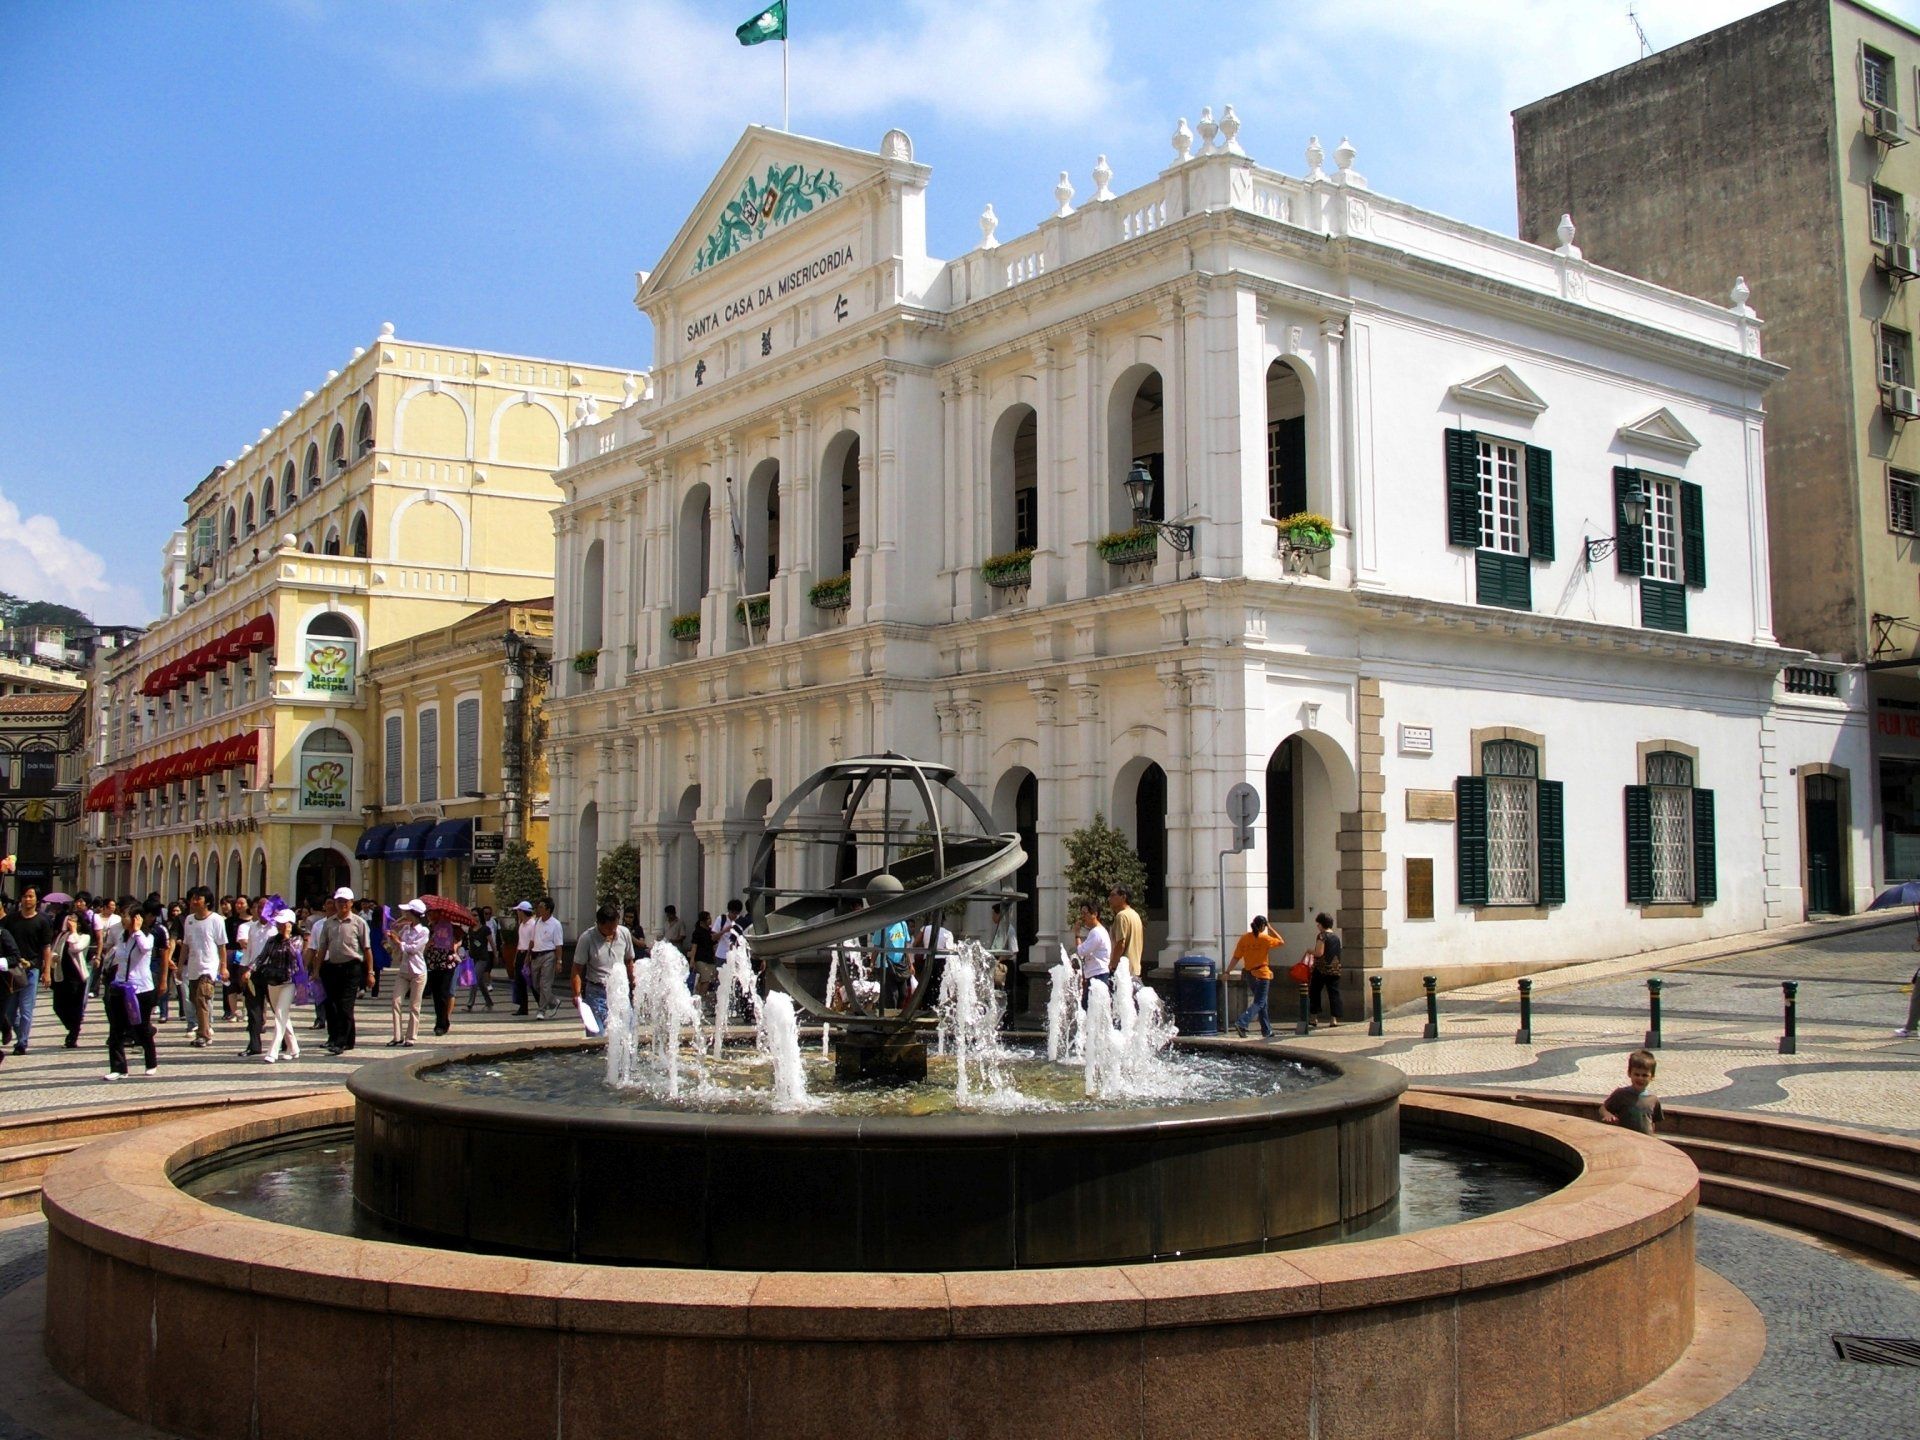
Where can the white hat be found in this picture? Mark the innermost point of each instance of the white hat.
(343, 893)
(525, 905)
(415, 906)
(284, 916)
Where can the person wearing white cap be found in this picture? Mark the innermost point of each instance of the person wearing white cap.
(522, 955)
(410, 971)
(345, 946)
(273, 969)
(548, 940)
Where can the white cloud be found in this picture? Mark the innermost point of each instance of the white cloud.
(40, 562)
(669, 75)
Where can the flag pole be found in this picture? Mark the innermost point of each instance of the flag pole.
(786, 117)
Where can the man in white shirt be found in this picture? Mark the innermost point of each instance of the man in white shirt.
(934, 942)
(206, 942)
(1095, 950)
(522, 954)
(546, 939)
(725, 927)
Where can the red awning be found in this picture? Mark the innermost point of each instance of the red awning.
(259, 634)
(232, 645)
(250, 747)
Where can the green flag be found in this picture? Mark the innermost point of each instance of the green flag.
(769, 24)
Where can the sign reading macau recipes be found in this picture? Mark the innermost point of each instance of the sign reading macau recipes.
(328, 663)
(326, 784)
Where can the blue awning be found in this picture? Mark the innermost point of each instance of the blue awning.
(406, 840)
(450, 839)
(372, 843)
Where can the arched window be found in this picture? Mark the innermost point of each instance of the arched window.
(266, 499)
(839, 533)
(762, 525)
(1282, 808)
(336, 451)
(593, 586)
(1670, 833)
(1016, 481)
(306, 547)
(311, 470)
(1136, 432)
(693, 548)
(246, 516)
(289, 488)
(231, 531)
(357, 537)
(363, 431)
(331, 546)
(326, 770)
(1509, 840)
(329, 655)
(1286, 441)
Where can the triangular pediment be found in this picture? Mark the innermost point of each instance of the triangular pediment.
(1500, 389)
(1661, 430)
(769, 181)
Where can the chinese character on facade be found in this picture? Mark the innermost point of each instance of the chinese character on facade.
(700, 373)
(766, 342)
(839, 307)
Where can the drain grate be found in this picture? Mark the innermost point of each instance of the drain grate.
(1877, 1350)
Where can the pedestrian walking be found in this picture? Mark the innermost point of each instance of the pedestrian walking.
(1253, 953)
(247, 936)
(170, 955)
(273, 965)
(672, 930)
(705, 970)
(1129, 936)
(407, 943)
(445, 940)
(482, 942)
(1325, 956)
(33, 934)
(345, 965)
(131, 996)
(206, 943)
(548, 937)
(72, 958)
(595, 954)
(522, 956)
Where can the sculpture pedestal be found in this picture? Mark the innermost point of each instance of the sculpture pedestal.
(897, 1059)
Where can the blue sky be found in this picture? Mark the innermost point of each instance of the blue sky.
(205, 207)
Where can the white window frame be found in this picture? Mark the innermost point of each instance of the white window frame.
(1502, 469)
(393, 763)
(1660, 550)
(466, 768)
(1903, 502)
(1874, 65)
(1896, 356)
(1511, 769)
(1886, 211)
(426, 755)
(1669, 778)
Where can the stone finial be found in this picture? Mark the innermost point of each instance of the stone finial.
(358, 351)
(630, 388)
(1565, 232)
(305, 396)
(1343, 154)
(895, 145)
(1315, 157)
(285, 415)
(332, 375)
(289, 541)
(592, 404)
(386, 329)
(245, 450)
(580, 410)
(1207, 129)
(1741, 294)
(1182, 142)
(1230, 132)
(264, 432)
(1102, 174)
(1063, 192)
(989, 222)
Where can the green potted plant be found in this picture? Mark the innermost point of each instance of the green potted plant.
(1307, 531)
(753, 610)
(1005, 571)
(586, 662)
(1128, 547)
(833, 593)
(685, 627)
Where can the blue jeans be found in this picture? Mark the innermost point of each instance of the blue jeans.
(1256, 1005)
(596, 998)
(20, 1008)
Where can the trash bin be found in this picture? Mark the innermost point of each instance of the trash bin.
(1196, 995)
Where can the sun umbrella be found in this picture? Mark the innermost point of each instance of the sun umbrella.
(441, 908)
(56, 897)
(1907, 894)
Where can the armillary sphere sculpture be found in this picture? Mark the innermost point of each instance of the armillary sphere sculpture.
(861, 844)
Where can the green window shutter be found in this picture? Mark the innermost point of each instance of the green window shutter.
(1629, 556)
(1693, 535)
(1503, 580)
(1470, 838)
(1663, 606)
(1706, 874)
(1553, 843)
(1539, 503)
(1639, 845)
(1463, 488)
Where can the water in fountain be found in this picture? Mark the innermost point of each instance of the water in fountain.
(969, 1008)
(1064, 1030)
(1126, 1036)
(656, 1014)
(779, 1036)
(735, 977)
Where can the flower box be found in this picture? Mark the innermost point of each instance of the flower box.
(1129, 547)
(1013, 570)
(833, 593)
(685, 628)
(753, 611)
(586, 662)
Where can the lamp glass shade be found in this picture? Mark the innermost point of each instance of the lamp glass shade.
(1139, 483)
(1633, 509)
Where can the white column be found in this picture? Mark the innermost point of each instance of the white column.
(1176, 686)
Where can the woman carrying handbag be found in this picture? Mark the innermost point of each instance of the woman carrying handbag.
(130, 998)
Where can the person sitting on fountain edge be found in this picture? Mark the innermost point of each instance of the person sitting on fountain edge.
(595, 954)
(1095, 950)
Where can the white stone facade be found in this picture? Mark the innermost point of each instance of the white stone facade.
(1260, 343)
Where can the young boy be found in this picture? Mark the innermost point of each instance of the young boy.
(1631, 1105)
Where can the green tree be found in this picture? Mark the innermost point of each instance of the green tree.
(517, 877)
(1098, 859)
(617, 881)
(47, 612)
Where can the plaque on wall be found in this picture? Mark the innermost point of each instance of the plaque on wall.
(1419, 887)
(1416, 739)
(1430, 805)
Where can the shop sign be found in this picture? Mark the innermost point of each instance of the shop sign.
(329, 664)
(326, 784)
(487, 845)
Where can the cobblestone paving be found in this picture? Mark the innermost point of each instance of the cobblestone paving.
(1802, 1390)
(23, 1257)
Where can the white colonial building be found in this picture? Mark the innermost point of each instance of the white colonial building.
(1489, 699)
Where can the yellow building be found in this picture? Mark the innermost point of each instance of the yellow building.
(459, 752)
(233, 743)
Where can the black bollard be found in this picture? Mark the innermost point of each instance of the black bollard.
(1790, 1036)
(1377, 1025)
(1304, 1025)
(1653, 1013)
(1432, 983)
(1524, 1035)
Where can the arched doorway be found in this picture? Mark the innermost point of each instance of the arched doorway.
(838, 506)
(1310, 785)
(321, 872)
(236, 880)
(259, 872)
(754, 812)
(1286, 441)
(1136, 431)
(693, 550)
(688, 868)
(1015, 510)
(175, 890)
(1824, 808)
(761, 527)
(587, 865)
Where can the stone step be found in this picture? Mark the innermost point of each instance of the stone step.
(1789, 1170)
(19, 1198)
(1895, 1236)
(23, 1162)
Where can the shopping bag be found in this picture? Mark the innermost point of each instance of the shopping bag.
(466, 976)
(306, 989)
(128, 999)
